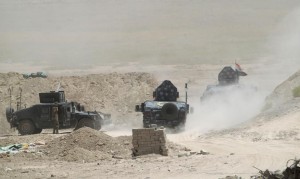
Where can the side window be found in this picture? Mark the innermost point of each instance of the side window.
(45, 112)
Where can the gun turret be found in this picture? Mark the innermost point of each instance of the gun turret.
(166, 92)
(52, 97)
(229, 76)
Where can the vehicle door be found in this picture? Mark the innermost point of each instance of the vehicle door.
(72, 115)
(45, 117)
(64, 116)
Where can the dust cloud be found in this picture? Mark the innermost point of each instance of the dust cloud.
(55, 35)
(231, 106)
(83, 35)
(285, 43)
(234, 106)
(282, 55)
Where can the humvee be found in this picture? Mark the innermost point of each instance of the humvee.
(34, 119)
(164, 110)
(228, 80)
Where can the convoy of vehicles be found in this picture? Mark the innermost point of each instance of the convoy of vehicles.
(163, 110)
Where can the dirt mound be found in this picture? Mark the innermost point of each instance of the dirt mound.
(88, 145)
(280, 118)
(283, 92)
(115, 93)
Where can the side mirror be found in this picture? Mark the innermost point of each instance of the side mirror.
(137, 108)
(142, 107)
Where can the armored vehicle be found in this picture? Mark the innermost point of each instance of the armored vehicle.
(228, 79)
(34, 119)
(164, 110)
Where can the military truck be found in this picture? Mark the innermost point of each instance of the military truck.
(164, 110)
(34, 119)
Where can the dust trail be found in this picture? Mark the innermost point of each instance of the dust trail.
(122, 126)
(228, 108)
(282, 57)
(284, 41)
(234, 106)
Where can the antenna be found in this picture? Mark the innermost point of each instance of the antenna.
(20, 97)
(10, 89)
(186, 90)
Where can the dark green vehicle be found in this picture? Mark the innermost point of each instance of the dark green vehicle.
(164, 110)
(34, 119)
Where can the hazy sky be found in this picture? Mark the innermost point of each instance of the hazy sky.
(83, 33)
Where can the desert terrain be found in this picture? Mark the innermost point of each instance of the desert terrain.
(111, 55)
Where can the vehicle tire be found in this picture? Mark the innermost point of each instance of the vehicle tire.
(26, 127)
(85, 122)
(169, 111)
(38, 131)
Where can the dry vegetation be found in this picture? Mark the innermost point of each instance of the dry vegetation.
(296, 92)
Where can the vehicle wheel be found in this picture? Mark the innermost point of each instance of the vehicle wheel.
(85, 122)
(26, 127)
(37, 131)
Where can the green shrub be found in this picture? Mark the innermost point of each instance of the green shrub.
(296, 92)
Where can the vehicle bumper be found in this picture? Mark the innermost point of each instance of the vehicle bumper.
(164, 123)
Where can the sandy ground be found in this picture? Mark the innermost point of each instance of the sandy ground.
(110, 55)
(266, 141)
(233, 155)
